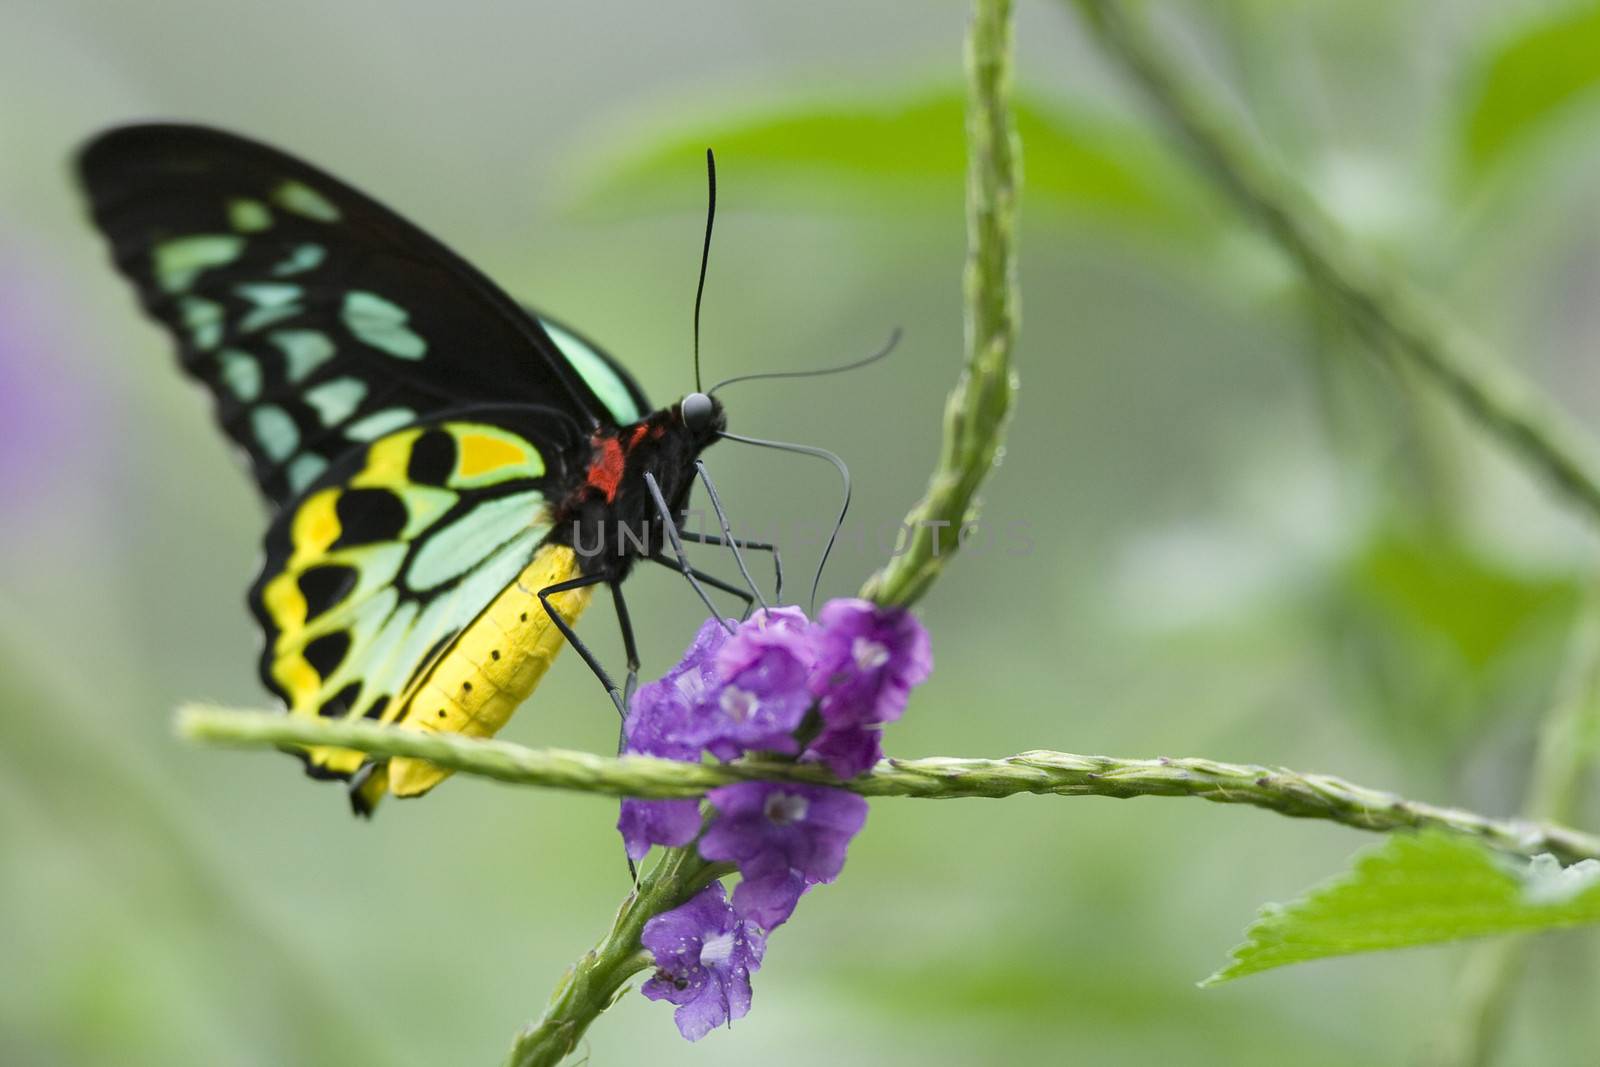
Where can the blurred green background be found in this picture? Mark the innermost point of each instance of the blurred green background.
(1252, 540)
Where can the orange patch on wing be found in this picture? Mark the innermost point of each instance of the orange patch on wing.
(481, 454)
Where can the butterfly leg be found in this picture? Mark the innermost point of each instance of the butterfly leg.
(671, 529)
(727, 531)
(629, 647)
(617, 697)
(755, 546)
(572, 637)
(713, 581)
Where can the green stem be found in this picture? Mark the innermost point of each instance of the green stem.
(1560, 765)
(597, 980)
(1380, 302)
(979, 406)
(1312, 796)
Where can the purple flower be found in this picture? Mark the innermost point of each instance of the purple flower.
(704, 957)
(847, 750)
(667, 716)
(752, 691)
(783, 838)
(657, 822)
(666, 719)
(868, 659)
(766, 670)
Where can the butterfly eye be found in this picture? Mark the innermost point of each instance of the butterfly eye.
(697, 409)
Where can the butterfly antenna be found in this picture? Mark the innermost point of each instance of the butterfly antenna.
(894, 339)
(705, 256)
(844, 473)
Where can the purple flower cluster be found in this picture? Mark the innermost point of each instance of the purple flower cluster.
(868, 660)
(783, 838)
(704, 955)
(781, 685)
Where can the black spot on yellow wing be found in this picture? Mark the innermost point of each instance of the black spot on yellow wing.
(325, 586)
(433, 458)
(338, 705)
(367, 516)
(325, 653)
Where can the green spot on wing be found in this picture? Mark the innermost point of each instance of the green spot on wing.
(304, 470)
(305, 351)
(179, 261)
(304, 200)
(382, 325)
(379, 423)
(449, 552)
(425, 505)
(274, 302)
(275, 432)
(248, 216)
(596, 374)
(241, 373)
(269, 294)
(335, 401)
(305, 257)
(203, 320)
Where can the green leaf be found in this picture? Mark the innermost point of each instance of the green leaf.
(1474, 604)
(1418, 889)
(899, 155)
(1433, 637)
(1529, 80)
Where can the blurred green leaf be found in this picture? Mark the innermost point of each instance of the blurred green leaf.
(1433, 635)
(1527, 81)
(1476, 606)
(1420, 889)
(905, 155)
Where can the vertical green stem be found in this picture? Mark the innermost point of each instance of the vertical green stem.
(974, 424)
(1565, 750)
(1378, 300)
(976, 412)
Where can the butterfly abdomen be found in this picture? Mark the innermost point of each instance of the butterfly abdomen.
(494, 664)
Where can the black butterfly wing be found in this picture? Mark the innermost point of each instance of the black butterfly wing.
(319, 319)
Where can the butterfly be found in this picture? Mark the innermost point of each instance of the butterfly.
(450, 476)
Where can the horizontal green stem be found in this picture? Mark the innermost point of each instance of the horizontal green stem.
(1311, 796)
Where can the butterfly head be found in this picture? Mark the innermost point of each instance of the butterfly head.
(702, 415)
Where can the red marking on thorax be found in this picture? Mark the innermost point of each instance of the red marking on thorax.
(639, 432)
(605, 471)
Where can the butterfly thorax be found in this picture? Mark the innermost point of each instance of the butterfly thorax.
(609, 517)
